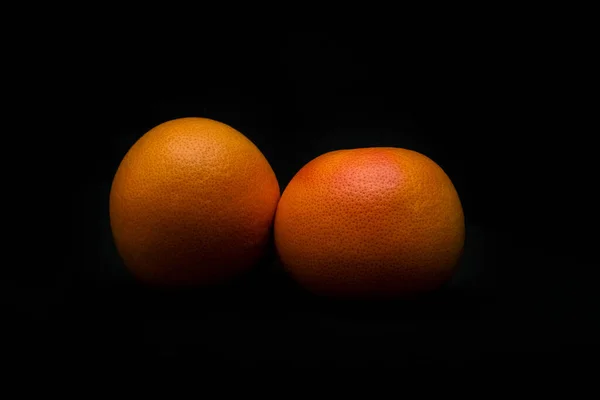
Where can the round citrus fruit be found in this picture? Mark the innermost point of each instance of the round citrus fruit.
(370, 222)
(192, 203)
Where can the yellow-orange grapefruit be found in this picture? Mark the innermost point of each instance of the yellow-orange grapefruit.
(192, 203)
(370, 222)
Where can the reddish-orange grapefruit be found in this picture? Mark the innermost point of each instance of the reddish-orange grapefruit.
(370, 222)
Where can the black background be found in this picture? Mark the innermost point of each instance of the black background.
(492, 105)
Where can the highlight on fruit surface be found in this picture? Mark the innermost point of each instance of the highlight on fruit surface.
(192, 203)
(370, 222)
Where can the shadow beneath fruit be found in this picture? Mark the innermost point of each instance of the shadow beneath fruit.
(468, 295)
(444, 304)
(99, 284)
(248, 294)
(267, 292)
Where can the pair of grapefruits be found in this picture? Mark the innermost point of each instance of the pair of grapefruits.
(194, 202)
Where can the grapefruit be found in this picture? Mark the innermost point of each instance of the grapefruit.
(370, 222)
(192, 203)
